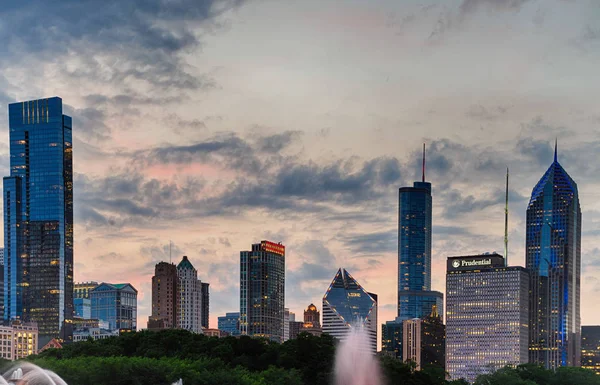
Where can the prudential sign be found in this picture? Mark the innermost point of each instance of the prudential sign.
(475, 262)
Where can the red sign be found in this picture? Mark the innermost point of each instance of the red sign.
(271, 247)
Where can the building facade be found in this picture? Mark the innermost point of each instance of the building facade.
(18, 340)
(230, 323)
(424, 341)
(415, 298)
(553, 257)
(295, 328)
(38, 218)
(190, 300)
(205, 305)
(82, 289)
(165, 297)
(590, 348)
(262, 291)
(392, 338)
(83, 307)
(347, 305)
(115, 304)
(486, 315)
(312, 317)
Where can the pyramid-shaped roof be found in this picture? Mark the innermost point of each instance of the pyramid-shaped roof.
(349, 299)
(185, 264)
(557, 181)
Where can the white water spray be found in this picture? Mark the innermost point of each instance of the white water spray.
(355, 363)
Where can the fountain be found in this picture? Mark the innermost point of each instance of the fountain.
(26, 374)
(355, 364)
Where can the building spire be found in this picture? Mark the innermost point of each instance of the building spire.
(423, 162)
(555, 150)
(506, 223)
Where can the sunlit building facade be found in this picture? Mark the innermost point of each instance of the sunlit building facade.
(262, 291)
(486, 315)
(190, 297)
(38, 218)
(590, 348)
(553, 256)
(18, 340)
(82, 289)
(347, 305)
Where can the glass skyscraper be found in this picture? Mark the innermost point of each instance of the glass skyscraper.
(262, 291)
(230, 323)
(415, 298)
(346, 304)
(38, 218)
(115, 304)
(553, 256)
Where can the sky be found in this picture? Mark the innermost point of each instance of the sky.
(215, 124)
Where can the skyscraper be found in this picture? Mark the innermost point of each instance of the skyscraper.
(553, 257)
(165, 297)
(262, 291)
(415, 298)
(312, 317)
(205, 305)
(590, 348)
(230, 323)
(346, 305)
(486, 315)
(190, 297)
(38, 218)
(115, 304)
(424, 341)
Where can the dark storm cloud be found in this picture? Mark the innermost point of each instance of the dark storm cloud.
(143, 36)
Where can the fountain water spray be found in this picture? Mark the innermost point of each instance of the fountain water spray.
(355, 363)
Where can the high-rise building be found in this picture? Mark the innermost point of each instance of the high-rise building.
(486, 315)
(115, 304)
(286, 323)
(312, 317)
(424, 341)
(590, 348)
(38, 218)
(190, 297)
(553, 257)
(19, 340)
(295, 328)
(83, 308)
(165, 297)
(205, 305)
(262, 291)
(392, 338)
(347, 305)
(230, 323)
(82, 289)
(415, 298)
(2, 256)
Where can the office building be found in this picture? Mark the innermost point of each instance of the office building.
(38, 218)
(590, 348)
(553, 257)
(115, 304)
(190, 300)
(165, 297)
(312, 317)
(230, 323)
(83, 308)
(392, 338)
(287, 317)
(424, 341)
(82, 289)
(486, 315)
(295, 328)
(205, 305)
(19, 340)
(2, 256)
(262, 291)
(347, 305)
(83, 334)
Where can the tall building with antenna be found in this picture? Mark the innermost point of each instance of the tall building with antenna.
(553, 257)
(415, 297)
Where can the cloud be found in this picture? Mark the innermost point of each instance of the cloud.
(468, 6)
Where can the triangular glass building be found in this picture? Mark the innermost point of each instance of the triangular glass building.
(553, 257)
(347, 305)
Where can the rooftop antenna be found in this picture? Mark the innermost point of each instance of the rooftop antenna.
(555, 150)
(423, 162)
(506, 223)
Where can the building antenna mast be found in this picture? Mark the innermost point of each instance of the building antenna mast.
(423, 162)
(506, 223)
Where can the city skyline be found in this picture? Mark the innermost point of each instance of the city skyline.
(202, 136)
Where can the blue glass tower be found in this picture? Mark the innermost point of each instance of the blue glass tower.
(38, 218)
(553, 257)
(415, 298)
(115, 304)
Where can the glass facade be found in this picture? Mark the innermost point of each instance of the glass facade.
(230, 323)
(115, 304)
(38, 218)
(553, 256)
(392, 338)
(590, 348)
(347, 304)
(486, 316)
(262, 291)
(415, 298)
(83, 308)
